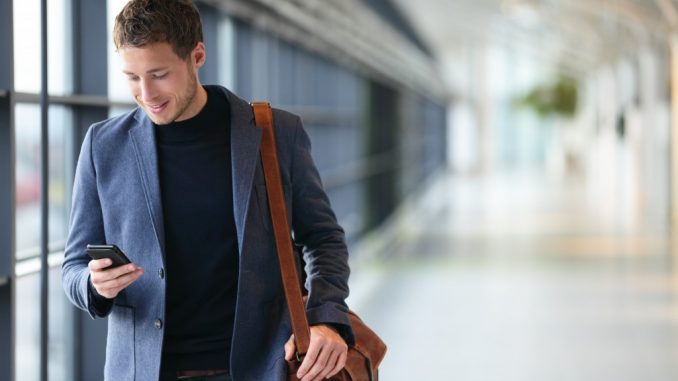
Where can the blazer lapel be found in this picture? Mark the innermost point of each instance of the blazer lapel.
(245, 140)
(143, 139)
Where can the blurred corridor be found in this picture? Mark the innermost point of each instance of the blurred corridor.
(506, 173)
(515, 277)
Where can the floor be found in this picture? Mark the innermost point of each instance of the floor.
(520, 277)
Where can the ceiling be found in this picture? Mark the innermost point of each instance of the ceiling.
(575, 35)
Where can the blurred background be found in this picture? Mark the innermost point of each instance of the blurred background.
(505, 171)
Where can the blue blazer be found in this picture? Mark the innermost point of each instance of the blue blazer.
(116, 200)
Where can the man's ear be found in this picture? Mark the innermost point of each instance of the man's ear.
(198, 55)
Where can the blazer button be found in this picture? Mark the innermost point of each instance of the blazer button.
(158, 323)
(161, 273)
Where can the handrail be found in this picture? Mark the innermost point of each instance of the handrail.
(73, 100)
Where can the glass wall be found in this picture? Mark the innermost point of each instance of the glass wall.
(62, 336)
(61, 151)
(28, 183)
(373, 142)
(60, 47)
(61, 333)
(330, 100)
(61, 172)
(27, 42)
(117, 85)
(27, 143)
(27, 330)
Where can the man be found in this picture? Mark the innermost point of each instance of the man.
(178, 185)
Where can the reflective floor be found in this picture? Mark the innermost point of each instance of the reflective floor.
(521, 277)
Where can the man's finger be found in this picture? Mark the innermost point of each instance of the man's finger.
(111, 288)
(331, 363)
(99, 264)
(341, 363)
(309, 359)
(101, 276)
(121, 280)
(112, 292)
(319, 365)
(289, 348)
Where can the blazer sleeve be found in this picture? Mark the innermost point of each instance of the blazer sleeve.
(86, 227)
(316, 229)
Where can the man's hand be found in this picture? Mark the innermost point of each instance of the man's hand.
(326, 354)
(110, 282)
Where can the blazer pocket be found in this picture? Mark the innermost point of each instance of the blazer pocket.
(120, 356)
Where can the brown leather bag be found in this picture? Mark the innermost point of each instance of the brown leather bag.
(366, 354)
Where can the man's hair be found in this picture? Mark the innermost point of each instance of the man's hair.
(143, 22)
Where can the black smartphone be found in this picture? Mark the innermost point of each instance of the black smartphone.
(108, 251)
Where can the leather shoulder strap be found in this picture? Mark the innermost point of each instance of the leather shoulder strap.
(263, 117)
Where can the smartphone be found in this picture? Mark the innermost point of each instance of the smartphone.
(108, 251)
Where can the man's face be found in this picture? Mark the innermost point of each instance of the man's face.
(165, 86)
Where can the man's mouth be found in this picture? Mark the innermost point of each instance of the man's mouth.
(156, 109)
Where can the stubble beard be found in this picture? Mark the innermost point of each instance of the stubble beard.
(184, 102)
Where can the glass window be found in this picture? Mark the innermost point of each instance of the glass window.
(61, 159)
(61, 334)
(117, 85)
(61, 164)
(60, 47)
(27, 304)
(226, 52)
(27, 46)
(115, 111)
(61, 330)
(27, 145)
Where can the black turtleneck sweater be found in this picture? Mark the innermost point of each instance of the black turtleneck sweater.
(201, 253)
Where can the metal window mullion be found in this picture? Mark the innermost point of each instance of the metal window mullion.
(8, 192)
(74, 100)
(7, 238)
(44, 198)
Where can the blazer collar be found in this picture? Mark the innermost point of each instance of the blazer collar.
(145, 149)
(245, 140)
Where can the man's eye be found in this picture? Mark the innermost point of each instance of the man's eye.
(132, 78)
(160, 76)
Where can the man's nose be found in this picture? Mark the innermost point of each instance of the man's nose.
(148, 92)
